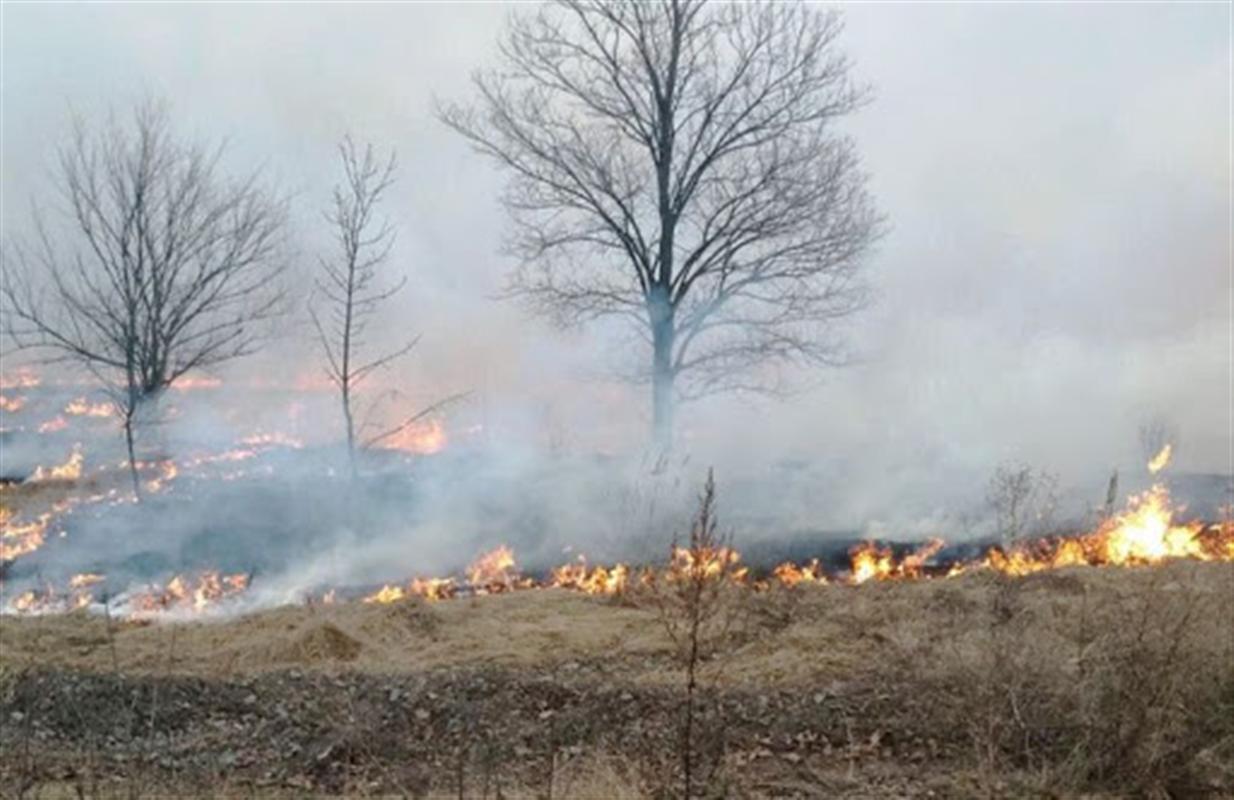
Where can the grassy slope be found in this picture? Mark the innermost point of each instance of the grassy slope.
(1085, 680)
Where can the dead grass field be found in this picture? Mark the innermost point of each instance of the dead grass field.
(1079, 682)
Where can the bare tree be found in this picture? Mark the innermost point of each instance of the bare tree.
(163, 265)
(1023, 500)
(348, 281)
(675, 163)
(350, 286)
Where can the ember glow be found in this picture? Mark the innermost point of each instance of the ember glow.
(187, 383)
(422, 438)
(68, 471)
(19, 538)
(11, 404)
(56, 423)
(21, 378)
(83, 408)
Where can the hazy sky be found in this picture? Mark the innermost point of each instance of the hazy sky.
(1056, 177)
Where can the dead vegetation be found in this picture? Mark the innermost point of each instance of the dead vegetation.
(1107, 682)
(698, 602)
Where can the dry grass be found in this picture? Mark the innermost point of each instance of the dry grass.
(524, 629)
(1106, 682)
(594, 777)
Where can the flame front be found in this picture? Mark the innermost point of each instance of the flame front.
(593, 580)
(789, 574)
(1144, 533)
(189, 593)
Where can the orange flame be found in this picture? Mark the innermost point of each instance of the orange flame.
(197, 594)
(11, 405)
(68, 471)
(494, 571)
(431, 589)
(82, 408)
(422, 438)
(594, 580)
(1144, 534)
(712, 562)
(1161, 460)
(187, 383)
(21, 378)
(56, 423)
(790, 574)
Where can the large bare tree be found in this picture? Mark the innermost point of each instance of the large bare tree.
(161, 265)
(677, 163)
(351, 291)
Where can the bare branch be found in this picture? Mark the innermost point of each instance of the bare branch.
(675, 163)
(423, 413)
(162, 264)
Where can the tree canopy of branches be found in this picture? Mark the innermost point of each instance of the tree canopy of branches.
(162, 265)
(676, 163)
(351, 291)
(1023, 500)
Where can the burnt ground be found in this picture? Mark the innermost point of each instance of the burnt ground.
(409, 734)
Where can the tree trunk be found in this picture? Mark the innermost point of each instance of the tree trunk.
(351, 432)
(128, 442)
(663, 331)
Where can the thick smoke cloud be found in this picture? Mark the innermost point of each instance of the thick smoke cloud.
(1057, 269)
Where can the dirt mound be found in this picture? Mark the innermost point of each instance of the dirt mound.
(315, 643)
(347, 633)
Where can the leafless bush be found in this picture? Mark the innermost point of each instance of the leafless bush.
(1151, 694)
(698, 604)
(1127, 692)
(1022, 499)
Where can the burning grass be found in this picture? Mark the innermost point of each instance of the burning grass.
(1148, 531)
(1061, 682)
